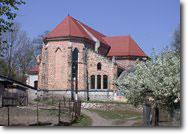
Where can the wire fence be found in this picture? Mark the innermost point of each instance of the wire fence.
(61, 112)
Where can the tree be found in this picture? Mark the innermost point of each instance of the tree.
(24, 56)
(37, 44)
(159, 77)
(7, 13)
(176, 42)
(18, 53)
(3, 67)
(8, 10)
(11, 41)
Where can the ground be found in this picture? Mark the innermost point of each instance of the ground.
(89, 117)
(102, 118)
(92, 114)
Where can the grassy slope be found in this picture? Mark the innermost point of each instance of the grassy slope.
(117, 114)
(83, 121)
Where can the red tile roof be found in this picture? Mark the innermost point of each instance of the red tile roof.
(68, 27)
(120, 45)
(123, 46)
(34, 70)
(98, 35)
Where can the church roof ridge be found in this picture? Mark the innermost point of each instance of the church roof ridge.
(120, 45)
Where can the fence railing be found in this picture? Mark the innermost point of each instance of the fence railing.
(63, 112)
(14, 99)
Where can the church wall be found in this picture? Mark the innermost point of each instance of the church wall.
(57, 70)
(55, 66)
(108, 68)
(55, 73)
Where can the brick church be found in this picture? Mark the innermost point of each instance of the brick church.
(99, 59)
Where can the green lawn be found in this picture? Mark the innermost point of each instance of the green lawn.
(106, 102)
(50, 102)
(118, 114)
(83, 121)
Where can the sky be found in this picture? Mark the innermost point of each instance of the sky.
(150, 22)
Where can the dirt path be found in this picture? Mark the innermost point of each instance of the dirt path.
(97, 120)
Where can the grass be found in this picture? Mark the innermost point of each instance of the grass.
(83, 121)
(54, 101)
(49, 112)
(52, 112)
(48, 101)
(104, 102)
(117, 114)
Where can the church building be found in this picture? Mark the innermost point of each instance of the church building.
(77, 58)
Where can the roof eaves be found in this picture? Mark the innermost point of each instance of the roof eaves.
(144, 54)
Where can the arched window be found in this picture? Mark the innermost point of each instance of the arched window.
(105, 82)
(99, 66)
(98, 81)
(74, 62)
(92, 81)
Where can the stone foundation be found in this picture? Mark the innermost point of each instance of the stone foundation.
(104, 95)
(111, 106)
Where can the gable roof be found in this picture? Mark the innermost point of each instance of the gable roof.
(97, 34)
(34, 70)
(124, 46)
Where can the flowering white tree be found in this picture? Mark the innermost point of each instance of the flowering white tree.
(159, 76)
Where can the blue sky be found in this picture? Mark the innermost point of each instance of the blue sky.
(150, 22)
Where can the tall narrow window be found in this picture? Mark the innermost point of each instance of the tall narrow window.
(93, 82)
(74, 62)
(98, 82)
(99, 66)
(105, 82)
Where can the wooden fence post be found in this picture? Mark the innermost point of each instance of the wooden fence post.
(8, 111)
(69, 106)
(52, 97)
(37, 114)
(72, 111)
(64, 102)
(59, 114)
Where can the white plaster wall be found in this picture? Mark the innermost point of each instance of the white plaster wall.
(32, 94)
(31, 79)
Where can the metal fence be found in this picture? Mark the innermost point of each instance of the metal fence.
(160, 117)
(58, 112)
(14, 99)
(41, 113)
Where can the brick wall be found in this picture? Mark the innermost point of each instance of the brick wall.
(55, 66)
(108, 68)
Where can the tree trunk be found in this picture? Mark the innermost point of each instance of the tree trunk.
(155, 116)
